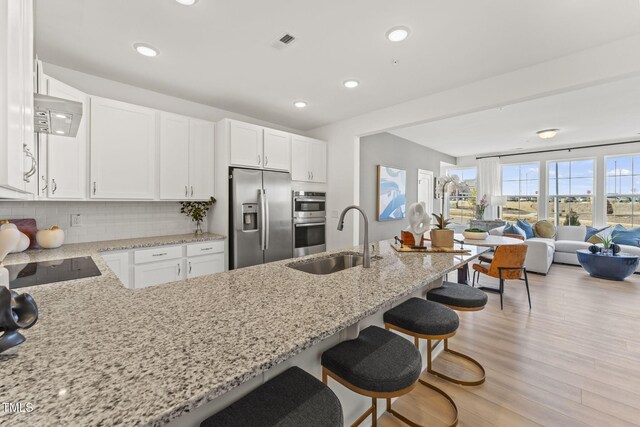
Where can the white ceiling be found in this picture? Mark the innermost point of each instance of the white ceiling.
(219, 52)
(605, 112)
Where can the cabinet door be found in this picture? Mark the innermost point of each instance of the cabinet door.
(277, 150)
(67, 157)
(174, 157)
(118, 263)
(123, 150)
(201, 152)
(245, 144)
(158, 273)
(300, 159)
(203, 265)
(318, 161)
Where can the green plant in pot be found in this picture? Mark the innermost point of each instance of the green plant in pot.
(197, 211)
(441, 236)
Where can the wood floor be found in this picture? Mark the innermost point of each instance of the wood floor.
(573, 360)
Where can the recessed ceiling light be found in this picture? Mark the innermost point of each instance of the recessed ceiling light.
(60, 132)
(146, 49)
(187, 2)
(547, 133)
(350, 84)
(397, 34)
(300, 104)
(61, 116)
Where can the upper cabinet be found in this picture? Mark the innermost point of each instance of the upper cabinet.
(186, 158)
(258, 147)
(308, 159)
(17, 162)
(123, 150)
(66, 157)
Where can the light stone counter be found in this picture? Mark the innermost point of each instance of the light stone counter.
(102, 354)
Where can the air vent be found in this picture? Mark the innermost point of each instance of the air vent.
(283, 41)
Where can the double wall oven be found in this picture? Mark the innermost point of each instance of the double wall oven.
(309, 223)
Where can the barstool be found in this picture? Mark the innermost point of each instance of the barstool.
(378, 364)
(428, 320)
(293, 398)
(462, 298)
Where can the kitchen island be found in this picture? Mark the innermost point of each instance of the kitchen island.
(102, 354)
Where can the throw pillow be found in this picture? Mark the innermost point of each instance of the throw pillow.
(528, 228)
(592, 234)
(544, 229)
(514, 229)
(629, 237)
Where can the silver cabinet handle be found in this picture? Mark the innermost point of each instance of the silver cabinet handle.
(44, 185)
(54, 186)
(34, 163)
(259, 159)
(266, 160)
(179, 270)
(94, 188)
(311, 175)
(160, 254)
(186, 191)
(192, 191)
(189, 267)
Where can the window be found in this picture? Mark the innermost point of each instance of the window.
(520, 184)
(461, 206)
(570, 192)
(623, 190)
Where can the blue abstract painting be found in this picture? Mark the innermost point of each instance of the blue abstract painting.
(392, 189)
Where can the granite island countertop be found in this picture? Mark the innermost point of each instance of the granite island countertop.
(102, 354)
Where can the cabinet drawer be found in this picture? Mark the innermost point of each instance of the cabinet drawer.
(205, 248)
(157, 254)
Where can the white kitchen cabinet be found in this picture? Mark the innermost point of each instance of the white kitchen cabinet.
(201, 152)
(308, 159)
(66, 157)
(157, 273)
(16, 94)
(245, 144)
(123, 150)
(186, 158)
(118, 262)
(277, 150)
(174, 157)
(203, 265)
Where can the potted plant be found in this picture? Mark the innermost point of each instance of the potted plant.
(445, 185)
(481, 207)
(197, 211)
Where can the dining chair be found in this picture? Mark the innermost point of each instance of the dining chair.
(507, 264)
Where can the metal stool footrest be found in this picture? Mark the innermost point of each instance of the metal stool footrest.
(437, 390)
(462, 356)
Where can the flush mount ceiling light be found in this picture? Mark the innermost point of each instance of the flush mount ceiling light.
(60, 132)
(547, 133)
(398, 34)
(187, 2)
(145, 49)
(350, 84)
(300, 104)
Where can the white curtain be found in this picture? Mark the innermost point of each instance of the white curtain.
(489, 183)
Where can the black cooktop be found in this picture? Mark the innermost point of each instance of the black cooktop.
(61, 270)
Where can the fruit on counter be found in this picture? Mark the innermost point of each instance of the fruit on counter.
(50, 238)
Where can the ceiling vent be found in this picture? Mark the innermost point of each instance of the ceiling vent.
(284, 40)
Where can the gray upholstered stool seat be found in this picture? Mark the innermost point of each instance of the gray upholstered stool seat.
(423, 317)
(377, 361)
(293, 398)
(458, 295)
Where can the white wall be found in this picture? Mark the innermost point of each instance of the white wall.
(592, 66)
(598, 154)
(103, 220)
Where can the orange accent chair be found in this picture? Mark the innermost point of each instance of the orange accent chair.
(507, 264)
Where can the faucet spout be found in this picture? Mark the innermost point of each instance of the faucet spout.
(366, 252)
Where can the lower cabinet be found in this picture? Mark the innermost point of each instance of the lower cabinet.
(157, 273)
(203, 265)
(118, 262)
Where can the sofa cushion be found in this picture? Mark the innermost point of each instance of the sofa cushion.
(550, 242)
(544, 229)
(528, 228)
(633, 250)
(514, 229)
(592, 234)
(571, 232)
(630, 237)
(570, 245)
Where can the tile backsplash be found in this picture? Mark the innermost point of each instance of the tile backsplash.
(103, 220)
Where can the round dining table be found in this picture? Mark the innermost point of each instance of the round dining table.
(489, 241)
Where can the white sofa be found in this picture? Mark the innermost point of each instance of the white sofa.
(562, 250)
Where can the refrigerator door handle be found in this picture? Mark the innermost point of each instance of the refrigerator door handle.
(263, 224)
(266, 219)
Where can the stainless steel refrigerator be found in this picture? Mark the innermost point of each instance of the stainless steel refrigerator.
(260, 217)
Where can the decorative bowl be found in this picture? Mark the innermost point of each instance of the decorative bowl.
(475, 235)
(50, 239)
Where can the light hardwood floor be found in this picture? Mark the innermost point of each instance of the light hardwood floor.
(573, 360)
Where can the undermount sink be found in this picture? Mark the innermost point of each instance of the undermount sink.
(330, 264)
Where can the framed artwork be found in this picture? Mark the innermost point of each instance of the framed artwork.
(392, 190)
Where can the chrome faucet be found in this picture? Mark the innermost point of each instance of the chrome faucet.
(366, 254)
